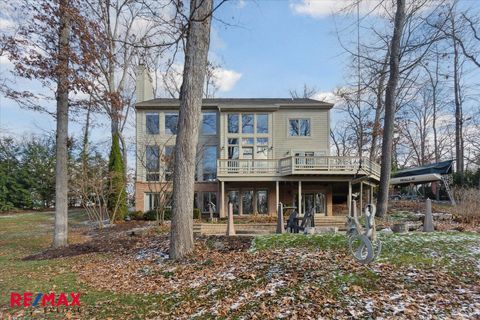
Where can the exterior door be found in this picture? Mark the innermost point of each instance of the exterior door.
(308, 202)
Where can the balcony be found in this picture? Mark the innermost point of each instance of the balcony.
(296, 165)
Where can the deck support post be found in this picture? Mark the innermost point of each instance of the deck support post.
(222, 187)
(361, 197)
(371, 194)
(349, 198)
(299, 196)
(277, 193)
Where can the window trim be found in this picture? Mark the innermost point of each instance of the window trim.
(299, 136)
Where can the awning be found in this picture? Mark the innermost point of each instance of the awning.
(441, 168)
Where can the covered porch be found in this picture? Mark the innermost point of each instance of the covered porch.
(322, 194)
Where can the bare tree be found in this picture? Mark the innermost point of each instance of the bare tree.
(305, 93)
(196, 57)
(390, 106)
(54, 46)
(60, 238)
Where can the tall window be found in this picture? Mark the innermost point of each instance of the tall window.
(247, 123)
(152, 123)
(209, 197)
(233, 198)
(233, 120)
(209, 123)
(171, 123)
(247, 201)
(153, 201)
(262, 201)
(168, 161)
(232, 148)
(152, 155)
(299, 127)
(210, 163)
(262, 123)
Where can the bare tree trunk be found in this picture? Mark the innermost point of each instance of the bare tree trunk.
(458, 106)
(378, 110)
(390, 106)
(196, 54)
(61, 167)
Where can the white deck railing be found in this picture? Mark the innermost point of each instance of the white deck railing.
(298, 165)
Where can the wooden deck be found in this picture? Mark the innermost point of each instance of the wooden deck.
(295, 165)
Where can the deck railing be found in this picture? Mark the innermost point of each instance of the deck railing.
(298, 165)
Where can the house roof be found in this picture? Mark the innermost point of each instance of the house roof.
(233, 103)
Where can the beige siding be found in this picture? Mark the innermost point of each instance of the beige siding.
(283, 145)
(143, 139)
(318, 141)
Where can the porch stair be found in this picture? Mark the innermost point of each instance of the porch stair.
(253, 229)
(331, 221)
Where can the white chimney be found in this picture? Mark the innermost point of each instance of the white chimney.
(144, 86)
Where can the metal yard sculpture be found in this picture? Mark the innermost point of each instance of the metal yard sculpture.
(362, 241)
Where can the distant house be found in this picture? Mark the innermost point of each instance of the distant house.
(253, 153)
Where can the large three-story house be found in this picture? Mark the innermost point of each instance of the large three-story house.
(253, 153)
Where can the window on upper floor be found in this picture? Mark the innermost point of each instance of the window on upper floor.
(247, 123)
(233, 120)
(171, 123)
(168, 161)
(299, 127)
(152, 123)
(233, 150)
(210, 163)
(262, 123)
(209, 123)
(152, 163)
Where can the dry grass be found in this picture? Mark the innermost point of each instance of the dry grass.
(467, 209)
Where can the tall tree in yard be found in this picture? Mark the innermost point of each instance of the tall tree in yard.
(54, 46)
(195, 65)
(61, 166)
(390, 106)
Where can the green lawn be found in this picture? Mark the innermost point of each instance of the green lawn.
(25, 234)
(279, 274)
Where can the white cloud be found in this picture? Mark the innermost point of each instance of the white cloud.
(326, 97)
(223, 79)
(241, 4)
(318, 9)
(324, 8)
(226, 79)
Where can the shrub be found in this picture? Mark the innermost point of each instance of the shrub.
(136, 215)
(197, 214)
(467, 209)
(151, 215)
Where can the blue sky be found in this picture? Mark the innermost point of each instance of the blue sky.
(271, 46)
(276, 49)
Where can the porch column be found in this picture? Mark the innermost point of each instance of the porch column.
(299, 196)
(222, 213)
(349, 198)
(361, 197)
(277, 194)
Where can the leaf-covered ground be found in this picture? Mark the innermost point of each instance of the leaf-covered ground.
(418, 276)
